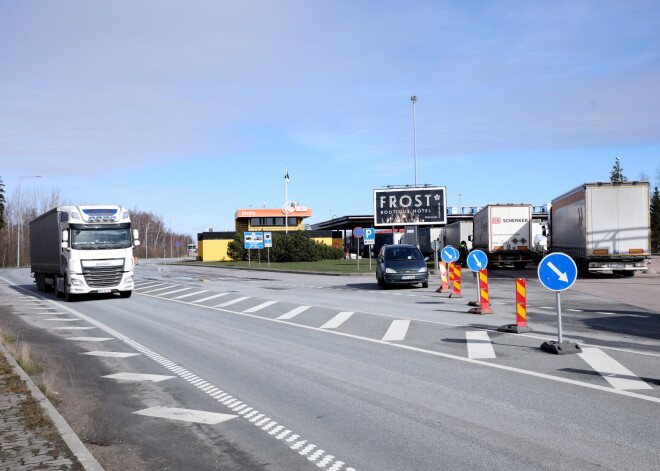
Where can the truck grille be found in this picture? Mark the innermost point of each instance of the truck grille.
(103, 277)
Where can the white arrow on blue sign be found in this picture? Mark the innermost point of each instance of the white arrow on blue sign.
(477, 260)
(449, 254)
(557, 271)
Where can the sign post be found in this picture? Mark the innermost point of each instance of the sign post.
(253, 240)
(557, 272)
(369, 239)
(268, 243)
(358, 233)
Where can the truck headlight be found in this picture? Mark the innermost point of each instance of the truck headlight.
(77, 282)
(128, 280)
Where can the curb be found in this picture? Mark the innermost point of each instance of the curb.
(277, 270)
(72, 440)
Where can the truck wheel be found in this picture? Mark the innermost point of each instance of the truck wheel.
(125, 294)
(68, 296)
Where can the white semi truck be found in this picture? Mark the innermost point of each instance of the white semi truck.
(504, 233)
(78, 250)
(603, 226)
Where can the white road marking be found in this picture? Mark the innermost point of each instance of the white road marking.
(338, 320)
(191, 294)
(576, 310)
(186, 415)
(479, 345)
(175, 291)
(233, 301)
(91, 339)
(397, 330)
(149, 285)
(615, 373)
(210, 297)
(138, 377)
(260, 306)
(73, 328)
(154, 290)
(57, 319)
(110, 354)
(294, 312)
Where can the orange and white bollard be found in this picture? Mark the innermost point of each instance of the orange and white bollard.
(444, 280)
(136, 260)
(457, 281)
(484, 297)
(521, 310)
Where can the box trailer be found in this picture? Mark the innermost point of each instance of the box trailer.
(83, 249)
(504, 233)
(603, 226)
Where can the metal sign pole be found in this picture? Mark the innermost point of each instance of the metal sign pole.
(357, 255)
(559, 336)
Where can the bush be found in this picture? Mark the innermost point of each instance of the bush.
(297, 246)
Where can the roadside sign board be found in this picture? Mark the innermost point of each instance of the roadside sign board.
(254, 240)
(369, 235)
(358, 232)
(557, 271)
(477, 260)
(449, 254)
(268, 240)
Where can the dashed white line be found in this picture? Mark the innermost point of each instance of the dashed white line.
(138, 377)
(615, 373)
(294, 312)
(191, 294)
(337, 321)
(233, 301)
(397, 330)
(175, 291)
(154, 290)
(260, 306)
(210, 297)
(479, 345)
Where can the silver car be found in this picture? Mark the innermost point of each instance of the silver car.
(401, 264)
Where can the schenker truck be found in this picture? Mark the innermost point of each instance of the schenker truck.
(83, 249)
(603, 226)
(504, 233)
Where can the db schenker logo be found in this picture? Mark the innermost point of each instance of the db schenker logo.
(496, 220)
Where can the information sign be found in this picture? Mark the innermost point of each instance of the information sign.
(254, 240)
(449, 254)
(557, 271)
(477, 260)
(369, 235)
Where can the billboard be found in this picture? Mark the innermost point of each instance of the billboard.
(410, 206)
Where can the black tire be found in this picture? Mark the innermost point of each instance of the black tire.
(425, 284)
(68, 296)
(125, 294)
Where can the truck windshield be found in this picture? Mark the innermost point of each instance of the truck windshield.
(100, 238)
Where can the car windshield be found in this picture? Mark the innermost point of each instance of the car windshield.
(403, 253)
(100, 239)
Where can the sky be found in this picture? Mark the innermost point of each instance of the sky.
(193, 110)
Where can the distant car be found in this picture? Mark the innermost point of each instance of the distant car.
(401, 264)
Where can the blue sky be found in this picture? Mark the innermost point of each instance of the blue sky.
(192, 110)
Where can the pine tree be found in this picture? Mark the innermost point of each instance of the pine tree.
(655, 221)
(616, 175)
(2, 204)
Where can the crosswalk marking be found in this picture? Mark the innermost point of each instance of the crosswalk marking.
(233, 301)
(210, 297)
(157, 289)
(294, 312)
(175, 291)
(190, 294)
(614, 372)
(397, 330)
(260, 306)
(338, 320)
(479, 345)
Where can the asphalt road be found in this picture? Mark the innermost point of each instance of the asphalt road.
(278, 371)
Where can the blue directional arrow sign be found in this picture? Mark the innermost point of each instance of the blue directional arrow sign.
(477, 260)
(449, 254)
(557, 271)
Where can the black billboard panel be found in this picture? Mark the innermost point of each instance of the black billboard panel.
(410, 206)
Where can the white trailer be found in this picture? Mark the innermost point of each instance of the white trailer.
(603, 226)
(457, 232)
(83, 249)
(504, 233)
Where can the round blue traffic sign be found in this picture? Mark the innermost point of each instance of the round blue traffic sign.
(449, 254)
(477, 260)
(557, 271)
(358, 232)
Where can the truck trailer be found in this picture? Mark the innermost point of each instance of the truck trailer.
(78, 250)
(603, 226)
(457, 232)
(504, 233)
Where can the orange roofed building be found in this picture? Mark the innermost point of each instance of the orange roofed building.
(248, 220)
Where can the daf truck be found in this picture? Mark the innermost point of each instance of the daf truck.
(603, 226)
(77, 250)
(504, 233)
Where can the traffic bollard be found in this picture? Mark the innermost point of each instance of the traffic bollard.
(484, 298)
(521, 310)
(444, 282)
(457, 282)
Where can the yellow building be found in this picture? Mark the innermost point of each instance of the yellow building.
(212, 246)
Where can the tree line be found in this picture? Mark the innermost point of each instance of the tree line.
(156, 239)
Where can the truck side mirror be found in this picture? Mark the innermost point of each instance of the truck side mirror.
(65, 236)
(135, 234)
(136, 243)
(469, 238)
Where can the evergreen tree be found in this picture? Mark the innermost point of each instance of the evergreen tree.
(616, 175)
(2, 204)
(655, 221)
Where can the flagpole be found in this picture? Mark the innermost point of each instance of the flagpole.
(286, 201)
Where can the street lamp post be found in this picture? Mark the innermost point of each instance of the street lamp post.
(18, 246)
(414, 99)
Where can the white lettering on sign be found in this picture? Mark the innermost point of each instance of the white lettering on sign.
(496, 220)
(405, 201)
(248, 213)
(516, 220)
(293, 207)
